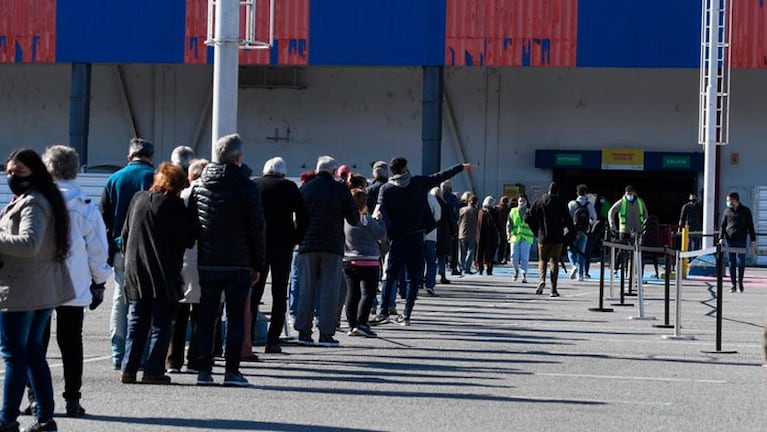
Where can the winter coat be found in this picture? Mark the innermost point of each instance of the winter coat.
(88, 247)
(190, 275)
(282, 200)
(550, 220)
(488, 231)
(329, 203)
(403, 201)
(436, 212)
(446, 229)
(119, 189)
(363, 239)
(31, 276)
(372, 192)
(738, 224)
(155, 235)
(467, 222)
(230, 219)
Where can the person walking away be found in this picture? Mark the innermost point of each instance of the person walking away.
(295, 289)
(447, 234)
(380, 177)
(188, 308)
(328, 203)
(550, 219)
(285, 215)
(455, 205)
(520, 238)
(405, 210)
(120, 187)
(430, 244)
(467, 233)
(736, 228)
(362, 253)
(584, 216)
(182, 156)
(87, 265)
(34, 279)
(488, 235)
(230, 252)
(155, 235)
(503, 208)
(692, 218)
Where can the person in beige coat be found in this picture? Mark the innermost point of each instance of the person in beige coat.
(34, 244)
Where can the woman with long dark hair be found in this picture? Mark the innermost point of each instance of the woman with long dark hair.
(34, 244)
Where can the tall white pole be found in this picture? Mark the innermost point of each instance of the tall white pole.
(709, 174)
(226, 63)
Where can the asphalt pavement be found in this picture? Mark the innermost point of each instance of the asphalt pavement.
(485, 354)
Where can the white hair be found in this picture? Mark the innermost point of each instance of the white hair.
(182, 156)
(227, 149)
(276, 166)
(326, 164)
(489, 201)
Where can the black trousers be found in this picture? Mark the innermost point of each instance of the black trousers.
(69, 336)
(361, 284)
(278, 260)
(186, 314)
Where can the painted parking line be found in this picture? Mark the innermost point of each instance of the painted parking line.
(88, 360)
(632, 378)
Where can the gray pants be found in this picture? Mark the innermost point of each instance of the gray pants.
(320, 275)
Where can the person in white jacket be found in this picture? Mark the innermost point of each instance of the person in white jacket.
(430, 246)
(88, 268)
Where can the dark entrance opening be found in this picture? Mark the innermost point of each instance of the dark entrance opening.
(664, 192)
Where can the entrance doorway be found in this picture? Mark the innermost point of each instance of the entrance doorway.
(664, 192)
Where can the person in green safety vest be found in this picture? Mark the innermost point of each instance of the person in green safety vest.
(520, 237)
(628, 214)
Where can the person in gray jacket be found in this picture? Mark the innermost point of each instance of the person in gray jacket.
(34, 279)
(362, 251)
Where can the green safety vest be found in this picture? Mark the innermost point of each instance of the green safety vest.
(520, 230)
(624, 204)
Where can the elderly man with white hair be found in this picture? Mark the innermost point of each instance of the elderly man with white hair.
(328, 203)
(286, 216)
(182, 156)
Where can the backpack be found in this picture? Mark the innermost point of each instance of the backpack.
(582, 218)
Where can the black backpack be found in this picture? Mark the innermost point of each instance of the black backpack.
(582, 218)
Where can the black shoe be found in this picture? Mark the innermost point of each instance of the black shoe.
(155, 379)
(469, 272)
(455, 272)
(9, 427)
(128, 378)
(430, 291)
(365, 330)
(733, 289)
(305, 339)
(380, 319)
(50, 425)
(328, 342)
(251, 358)
(444, 281)
(539, 291)
(272, 349)
(741, 287)
(74, 409)
(554, 294)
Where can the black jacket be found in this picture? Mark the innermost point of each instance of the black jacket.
(328, 202)
(550, 220)
(738, 224)
(447, 229)
(372, 192)
(404, 206)
(230, 219)
(156, 232)
(282, 200)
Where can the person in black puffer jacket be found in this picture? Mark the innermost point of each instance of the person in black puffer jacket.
(328, 203)
(231, 251)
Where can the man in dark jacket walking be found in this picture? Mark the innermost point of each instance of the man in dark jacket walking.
(137, 176)
(548, 219)
(286, 217)
(320, 255)
(231, 252)
(404, 208)
(737, 227)
(380, 177)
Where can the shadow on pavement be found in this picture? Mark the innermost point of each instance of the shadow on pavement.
(222, 424)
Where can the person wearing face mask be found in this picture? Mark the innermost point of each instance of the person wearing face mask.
(628, 215)
(692, 218)
(737, 226)
(520, 238)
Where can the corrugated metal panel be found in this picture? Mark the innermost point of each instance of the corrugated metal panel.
(761, 224)
(511, 32)
(27, 31)
(291, 33)
(749, 34)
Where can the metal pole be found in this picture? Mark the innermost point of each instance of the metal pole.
(709, 173)
(431, 119)
(667, 295)
(623, 281)
(226, 63)
(640, 285)
(719, 294)
(678, 303)
(80, 110)
(602, 307)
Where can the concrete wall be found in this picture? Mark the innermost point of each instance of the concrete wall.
(360, 115)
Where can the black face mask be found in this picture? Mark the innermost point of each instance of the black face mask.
(18, 184)
(692, 201)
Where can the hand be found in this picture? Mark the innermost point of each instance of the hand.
(97, 295)
(467, 167)
(254, 277)
(721, 242)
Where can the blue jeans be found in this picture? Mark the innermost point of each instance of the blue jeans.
(407, 252)
(22, 344)
(468, 250)
(295, 289)
(118, 320)
(236, 285)
(737, 261)
(430, 253)
(578, 258)
(149, 322)
(520, 256)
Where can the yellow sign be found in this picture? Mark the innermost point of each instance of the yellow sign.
(623, 159)
(513, 191)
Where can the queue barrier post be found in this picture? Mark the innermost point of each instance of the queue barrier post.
(678, 304)
(666, 292)
(719, 294)
(601, 307)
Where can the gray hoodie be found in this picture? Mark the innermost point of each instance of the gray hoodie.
(363, 240)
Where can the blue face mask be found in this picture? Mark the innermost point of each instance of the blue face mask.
(729, 204)
(631, 198)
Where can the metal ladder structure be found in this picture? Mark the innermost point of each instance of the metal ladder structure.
(715, 15)
(249, 38)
